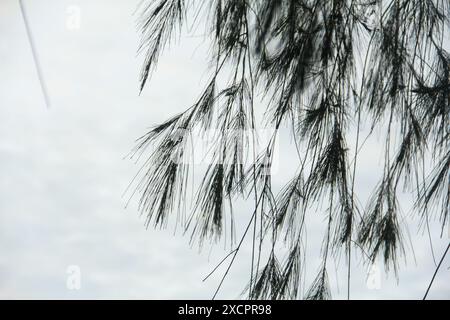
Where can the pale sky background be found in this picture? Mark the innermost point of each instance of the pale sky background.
(62, 172)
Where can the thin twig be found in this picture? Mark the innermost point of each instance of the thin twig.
(435, 272)
(218, 265)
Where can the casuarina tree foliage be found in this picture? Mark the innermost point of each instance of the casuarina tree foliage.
(323, 69)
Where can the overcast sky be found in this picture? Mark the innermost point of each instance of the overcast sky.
(63, 172)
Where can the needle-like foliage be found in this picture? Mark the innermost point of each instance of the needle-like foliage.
(323, 68)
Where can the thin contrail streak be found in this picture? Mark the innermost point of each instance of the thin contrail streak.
(35, 55)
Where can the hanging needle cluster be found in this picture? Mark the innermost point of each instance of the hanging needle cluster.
(324, 69)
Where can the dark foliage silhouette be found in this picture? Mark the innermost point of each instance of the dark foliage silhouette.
(324, 68)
